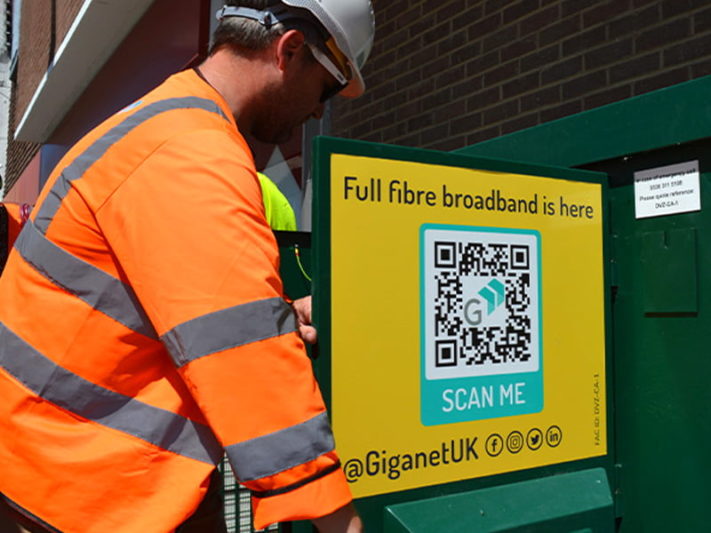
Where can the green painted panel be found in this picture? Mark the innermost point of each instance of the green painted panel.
(668, 262)
(661, 363)
(295, 262)
(579, 501)
(372, 508)
(661, 319)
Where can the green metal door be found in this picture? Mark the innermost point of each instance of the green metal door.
(660, 292)
(662, 333)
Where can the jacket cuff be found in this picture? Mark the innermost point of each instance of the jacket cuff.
(317, 498)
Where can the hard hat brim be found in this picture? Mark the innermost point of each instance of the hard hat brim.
(335, 28)
(356, 87)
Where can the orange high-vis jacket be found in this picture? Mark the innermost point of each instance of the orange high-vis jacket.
(138, 343)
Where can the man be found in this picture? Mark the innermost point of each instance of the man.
(139, 344)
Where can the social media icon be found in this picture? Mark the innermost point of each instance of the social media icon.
(494, 444)
(514, 442)
(554, 436)
(534, 439)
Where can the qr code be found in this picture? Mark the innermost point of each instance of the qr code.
(480, 301)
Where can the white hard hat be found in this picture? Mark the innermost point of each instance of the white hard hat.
(351, 23)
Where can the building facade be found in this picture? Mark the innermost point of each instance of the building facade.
(443, 74)
(448, 74)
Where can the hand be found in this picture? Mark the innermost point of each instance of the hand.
(344, 520)
(302, 307)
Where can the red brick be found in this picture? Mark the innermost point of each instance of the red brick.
(451, 76)
(634, 22)
(466, 123)
(406, 18)
(482, 63)
(519, 123)
(663, 35)
(518, 48)
(501, 73)
(539, 20)
(541, 58)
(500, 38)
(584, 41)
(521, 84)
(635, 68)
(702, 21)
(433, 135)
(604, 11)
(607, 96)
(563, 110)
(561, 70)
(450, 10)
(520, 9)
(559, 31)
(575, 7)
(436, 99)
(450, 144)
(483, 27)
(584, 84)
(467, 86)
(610, 53)
(483, 135)
(541, 98)
(688, 51)
(465, 54)
(467, 17)
(67, 10)
(501, 112)
(495, 5)
(661, 80)
(450, 112)
(451, 43)
(671, 8)
(483, 99)
(702, 68)
(419, 122)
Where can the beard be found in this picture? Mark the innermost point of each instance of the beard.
(276, 121)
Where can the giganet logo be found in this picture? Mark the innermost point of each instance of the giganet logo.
(493, 294)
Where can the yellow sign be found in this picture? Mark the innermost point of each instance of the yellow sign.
(467, 312)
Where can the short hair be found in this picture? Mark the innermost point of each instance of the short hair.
(242, 34)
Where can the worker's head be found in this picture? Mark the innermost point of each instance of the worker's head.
(338, 34)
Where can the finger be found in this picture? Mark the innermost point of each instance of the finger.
(308, 333)
(302, 306)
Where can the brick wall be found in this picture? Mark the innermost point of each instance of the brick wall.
(19, 154)
(66, 12)
(35, 51)
(44, 24)
(449, 73)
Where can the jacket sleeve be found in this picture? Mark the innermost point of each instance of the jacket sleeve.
(188, 229)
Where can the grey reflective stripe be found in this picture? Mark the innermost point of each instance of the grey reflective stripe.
(69, 391)
(235, 326)
(94, 286)
(276, 452)
(81, 164)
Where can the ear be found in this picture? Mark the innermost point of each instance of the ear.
(288, 47)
